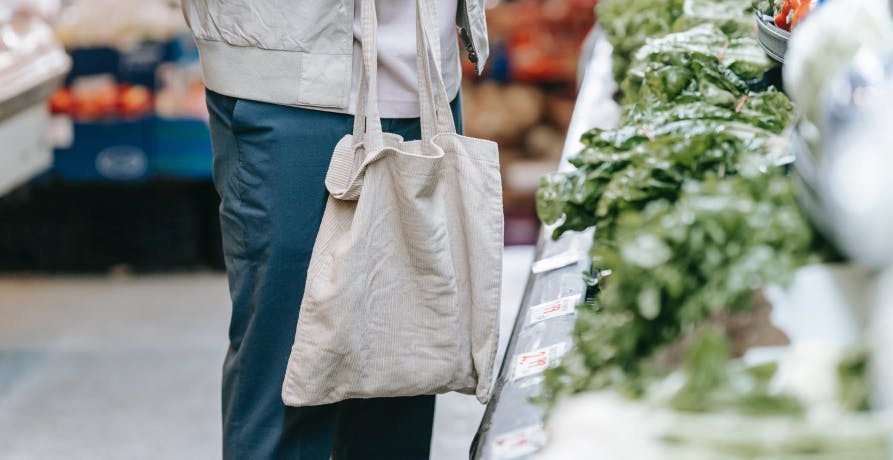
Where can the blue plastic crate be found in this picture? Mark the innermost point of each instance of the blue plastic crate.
(93, 61)
(140, 65)
(182, 148)
(137, 66)
(107, 151)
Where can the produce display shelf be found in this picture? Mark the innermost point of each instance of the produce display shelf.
(512, 424)
(31, 66)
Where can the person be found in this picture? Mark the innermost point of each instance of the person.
(282, 78)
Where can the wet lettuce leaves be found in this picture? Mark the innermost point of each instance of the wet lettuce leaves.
(675, 264)
(742, 56)
(626, 168)
(629, 24)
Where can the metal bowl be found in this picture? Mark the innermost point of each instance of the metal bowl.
(772, 38)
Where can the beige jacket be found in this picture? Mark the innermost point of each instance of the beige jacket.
(294, 52)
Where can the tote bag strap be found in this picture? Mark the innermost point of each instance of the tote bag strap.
(344, 179)
(435, 113)
(367, 121)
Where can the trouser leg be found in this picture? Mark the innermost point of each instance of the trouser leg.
(269, 169)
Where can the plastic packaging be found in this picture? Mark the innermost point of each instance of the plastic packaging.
(31, 62)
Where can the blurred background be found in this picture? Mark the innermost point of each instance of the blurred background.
(113, 300)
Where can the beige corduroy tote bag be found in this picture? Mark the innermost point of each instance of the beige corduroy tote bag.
(402, 293)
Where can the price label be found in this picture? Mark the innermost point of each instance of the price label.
(555, 262)
(517, 443)
(537, 361)
(558, 307)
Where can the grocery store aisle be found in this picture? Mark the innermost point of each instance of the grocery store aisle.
(123, 367)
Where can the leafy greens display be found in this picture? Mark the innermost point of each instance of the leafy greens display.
(689, 114)
(676, 264)
(692, 209)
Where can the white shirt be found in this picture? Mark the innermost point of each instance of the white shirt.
(398, 94)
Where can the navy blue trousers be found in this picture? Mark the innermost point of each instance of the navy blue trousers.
(270, 163)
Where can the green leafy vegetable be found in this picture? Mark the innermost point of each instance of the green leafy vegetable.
(631, 166)
(629, 24)
(854, 384)
(690, 115)
(733, 17)
(713, 384)
(742, 56)
(676, 264)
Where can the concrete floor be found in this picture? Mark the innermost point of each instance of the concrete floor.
(120, 367)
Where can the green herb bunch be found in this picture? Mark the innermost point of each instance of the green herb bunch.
(677, 263)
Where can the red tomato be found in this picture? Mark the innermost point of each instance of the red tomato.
(62, 101)
(135, 100)
(781, 19)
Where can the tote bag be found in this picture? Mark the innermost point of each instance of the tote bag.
(402, 292)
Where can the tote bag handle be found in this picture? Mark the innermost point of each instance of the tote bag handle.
(344, 179)
(434, 105)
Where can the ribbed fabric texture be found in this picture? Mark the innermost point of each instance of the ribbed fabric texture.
(402, 293)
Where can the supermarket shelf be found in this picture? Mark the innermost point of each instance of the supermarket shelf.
(32, 64)
(512, 424)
